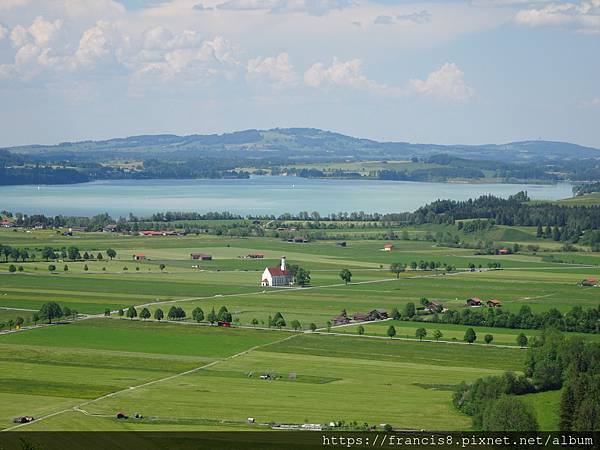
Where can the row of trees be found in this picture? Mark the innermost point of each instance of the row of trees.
(48, 253)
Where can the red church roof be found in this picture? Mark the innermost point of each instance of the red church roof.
(277, 272)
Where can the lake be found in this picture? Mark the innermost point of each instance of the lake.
(257, 195)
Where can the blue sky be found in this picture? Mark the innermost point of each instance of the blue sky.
(480, 71)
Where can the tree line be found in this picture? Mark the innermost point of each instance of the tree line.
(553, 362)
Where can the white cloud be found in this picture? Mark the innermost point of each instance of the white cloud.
(96, 44)
(277, 69)
(3, 32)
(583, 17)
(446, 83)
(347, 74)
(592, 103)
(312, 7)
(41, 32)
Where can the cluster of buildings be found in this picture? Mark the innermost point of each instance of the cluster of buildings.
(375, 314)
(476, 302)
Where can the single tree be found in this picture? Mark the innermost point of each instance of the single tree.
(346, 275)
(66, 268)
(254, 322)
(20, 268)
(121, 313)
(106, 312)
(35, 318)
(51, 268)
(470, 336)
(212, 316)
(508, 413)
(198, 314)
(145, 313)
(50, 310)
(99, 256)
(12, 268)
(10, 323)
(302, 277)
(111, 253)
(488, 338)
(397, 268)
(313, 327)
(328, 325)
(19, 321)
(420, 333)
(162, 267)
(410, 310)
(159, 314)
(361, 330)
(131, 312)
(437, 335)
(296, 325)
(66, 311)
(522, 340)
(391, 332)
(395, 314)
(86, 268)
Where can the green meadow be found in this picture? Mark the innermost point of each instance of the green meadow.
(65, 371)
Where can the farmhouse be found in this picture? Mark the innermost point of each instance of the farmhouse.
(6, 224)
(434, 307)
(139, 257)
(590, 282)
(375, 314)
(277, 276)
(110, 228)
(494, 303)
(255, 256)
(388, 247)
(474, 301)
(503, 251)
(201, 256)
(342, 319)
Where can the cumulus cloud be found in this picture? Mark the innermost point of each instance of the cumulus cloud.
(277, 70)
(583, 17)
(446, 83)
(347, 74)
(312, 7)
(3, 32)
(420, 17)
(97, 43)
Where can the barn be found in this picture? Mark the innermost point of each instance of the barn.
(201, 256)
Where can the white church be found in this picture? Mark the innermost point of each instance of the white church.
(277, 276)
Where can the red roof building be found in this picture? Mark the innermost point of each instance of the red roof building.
(277, 276)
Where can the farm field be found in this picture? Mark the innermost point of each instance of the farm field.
(329, 367)
(451, 332)
(68, 369)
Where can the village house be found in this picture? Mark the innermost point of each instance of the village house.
(388, 247)
(255, 256)
(434, 307)
(493, 303)
(474, 302)
(340, 320)
(503, 251)
(6, 224)
(375, 314)
(78, 229)
(201, 256)
(277, 276)
(110, 228)
(590, 282)
(139, 257)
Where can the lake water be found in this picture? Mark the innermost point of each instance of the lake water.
(257, 195)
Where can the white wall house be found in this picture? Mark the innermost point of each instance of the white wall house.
(277, 276)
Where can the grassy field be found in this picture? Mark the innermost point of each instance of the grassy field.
(54, 369)
(60, 367)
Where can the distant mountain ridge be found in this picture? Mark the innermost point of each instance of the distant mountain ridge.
(294, 144)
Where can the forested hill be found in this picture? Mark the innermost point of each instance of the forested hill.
(294, 144)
